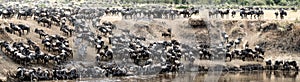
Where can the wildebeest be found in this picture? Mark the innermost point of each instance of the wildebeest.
(105, 54)
(185, 13)
(9, 30)
(38, 74)
(25, 13)
(40, 32)
(213, 13)
(15, 28)
(282, 14)
(233, 13)
(127, 13)
(68, 31)
(258, 14)
(168, 33)
(55, 19)
(172, 14)
(24, 27)
(244, 13)
(225, 12)
(276, 14)
(45, 21)
(7, 13)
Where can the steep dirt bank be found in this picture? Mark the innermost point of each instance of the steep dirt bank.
(272, 35)
(279, 38)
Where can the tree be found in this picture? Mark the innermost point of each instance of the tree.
(283, 3)
(223, 1)
(277, 1)
(232, 1)
(270, 2)
(244, 2)
(176, 1)
(168, 1)
(183, 2)
(217, 1)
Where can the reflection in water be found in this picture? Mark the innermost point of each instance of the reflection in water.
(250, 76)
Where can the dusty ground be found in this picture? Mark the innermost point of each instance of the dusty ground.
(181, 32)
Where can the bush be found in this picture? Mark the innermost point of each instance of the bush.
(176, 1)
(245, 2)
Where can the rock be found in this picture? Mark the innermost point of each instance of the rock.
(141, 25)
(196, 23)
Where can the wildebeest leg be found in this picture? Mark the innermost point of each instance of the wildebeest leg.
(71, 32)
(23, 31)
(28, 30)
(98, 50)
(20, 33)
(222, 16)
(13, 31)
(49, 49)
(244, 58)
(40, 36)
(18, 17)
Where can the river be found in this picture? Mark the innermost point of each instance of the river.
(250, 76)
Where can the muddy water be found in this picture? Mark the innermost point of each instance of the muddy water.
(254, 76)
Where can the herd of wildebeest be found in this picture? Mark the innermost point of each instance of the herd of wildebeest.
(55, 50)
(133, 13)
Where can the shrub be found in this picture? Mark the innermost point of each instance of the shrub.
(245, 2)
